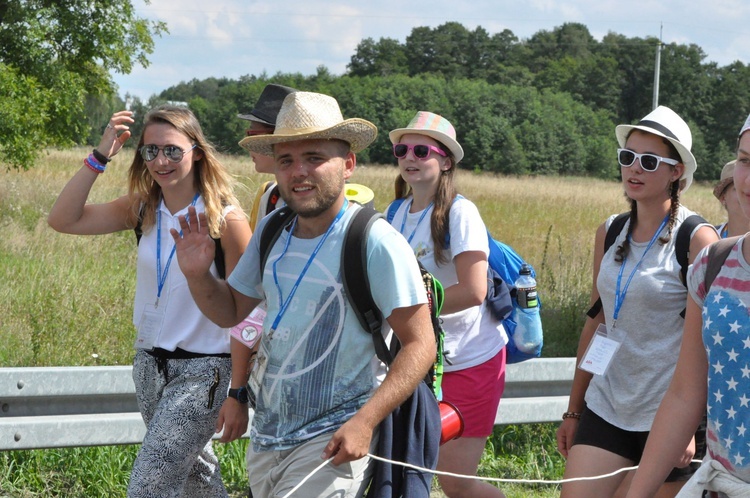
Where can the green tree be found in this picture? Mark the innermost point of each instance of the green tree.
(54, 54)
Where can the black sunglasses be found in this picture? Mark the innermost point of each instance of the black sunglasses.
(649, 162)
(420, 151)
(171, 152)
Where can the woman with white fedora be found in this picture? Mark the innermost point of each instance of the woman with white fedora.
(629, 345)
(429, 214)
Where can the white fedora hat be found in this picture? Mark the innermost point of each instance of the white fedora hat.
(665, 123)
(308, 116)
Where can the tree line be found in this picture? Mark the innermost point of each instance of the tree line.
(546, 105)
(543, 105)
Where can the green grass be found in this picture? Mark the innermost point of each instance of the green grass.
(67, 300)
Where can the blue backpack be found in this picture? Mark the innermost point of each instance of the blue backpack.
(504, 264)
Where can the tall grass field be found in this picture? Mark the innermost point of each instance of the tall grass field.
(67, 300)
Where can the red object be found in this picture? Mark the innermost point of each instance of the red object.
(452, 423)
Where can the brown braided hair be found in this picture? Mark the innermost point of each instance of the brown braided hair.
(674, 194)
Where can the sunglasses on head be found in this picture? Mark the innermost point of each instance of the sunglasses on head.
(420, 151)
(649, 162)
(171, 152)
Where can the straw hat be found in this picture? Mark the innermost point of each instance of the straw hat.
(306, 116)
(725, 180)
(665, 123)
(433, 126)
(267, 107)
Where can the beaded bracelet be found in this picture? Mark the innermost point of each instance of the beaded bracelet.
(100, 158)
(93, 164)
(574, 415)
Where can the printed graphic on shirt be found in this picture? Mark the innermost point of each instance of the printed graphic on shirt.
(316, 377)
(727, 342)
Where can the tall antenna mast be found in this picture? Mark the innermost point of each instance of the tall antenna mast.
(656, 68)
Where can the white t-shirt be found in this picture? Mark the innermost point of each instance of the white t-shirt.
(473, 335)
(322, 366)
(184, 326)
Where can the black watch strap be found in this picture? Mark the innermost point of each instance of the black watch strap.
(240, 394)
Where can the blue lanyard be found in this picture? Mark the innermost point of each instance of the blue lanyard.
(620, 296)
(406, 213)
(161, 278)
(284, 305)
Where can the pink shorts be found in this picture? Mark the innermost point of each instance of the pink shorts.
(476, 392)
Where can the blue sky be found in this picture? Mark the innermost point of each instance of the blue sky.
(232, 38)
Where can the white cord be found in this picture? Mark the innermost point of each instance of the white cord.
(463, 476)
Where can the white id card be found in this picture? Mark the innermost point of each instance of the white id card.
(600, 352)
(259, 369)
(148, 329)
(249, 330)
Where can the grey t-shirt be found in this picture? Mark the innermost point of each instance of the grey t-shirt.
(649, 328)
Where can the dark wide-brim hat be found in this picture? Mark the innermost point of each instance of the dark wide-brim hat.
(665, 123)
(311, 116)
(268, 105)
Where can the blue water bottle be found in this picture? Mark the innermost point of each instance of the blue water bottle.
(528, 334)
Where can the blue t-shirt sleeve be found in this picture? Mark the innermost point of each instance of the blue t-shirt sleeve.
(246, 276)
(395, 278)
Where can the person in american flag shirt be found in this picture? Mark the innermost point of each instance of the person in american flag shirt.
(713, 373)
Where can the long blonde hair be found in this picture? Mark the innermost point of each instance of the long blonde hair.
(214, 183)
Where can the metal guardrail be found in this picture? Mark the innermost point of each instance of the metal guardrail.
(56, 407)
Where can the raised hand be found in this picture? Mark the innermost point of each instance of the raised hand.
(116, 133)
(195, 248)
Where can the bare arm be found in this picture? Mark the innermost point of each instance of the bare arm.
(413, 328)
(195, 252)
(680, 411)
(71, 214)
(581, 378)
(471, 289)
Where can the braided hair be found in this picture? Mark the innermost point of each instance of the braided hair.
(674, 195)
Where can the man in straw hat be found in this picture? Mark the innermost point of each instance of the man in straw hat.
(315, 374)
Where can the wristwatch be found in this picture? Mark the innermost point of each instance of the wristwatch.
(239, 394)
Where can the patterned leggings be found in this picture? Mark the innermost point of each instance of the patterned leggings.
(179, 400)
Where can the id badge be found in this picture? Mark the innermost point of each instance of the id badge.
(249, 330)
(599, 352)
(148, 329)
(259, 369)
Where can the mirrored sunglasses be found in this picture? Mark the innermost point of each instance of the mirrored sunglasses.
(420, 151)
(171, 152)
(649, 162)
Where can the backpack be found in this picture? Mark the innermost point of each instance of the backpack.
(218, 253)
(503, 266)
(718, 253)
(271, 201)
(357, 288)
(682, 248)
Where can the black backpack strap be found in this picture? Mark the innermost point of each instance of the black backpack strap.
(682, 243)
(612, 232)
(356, 281)
(221, 268)
(718, 253)
(272, 231)
(682, 246)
